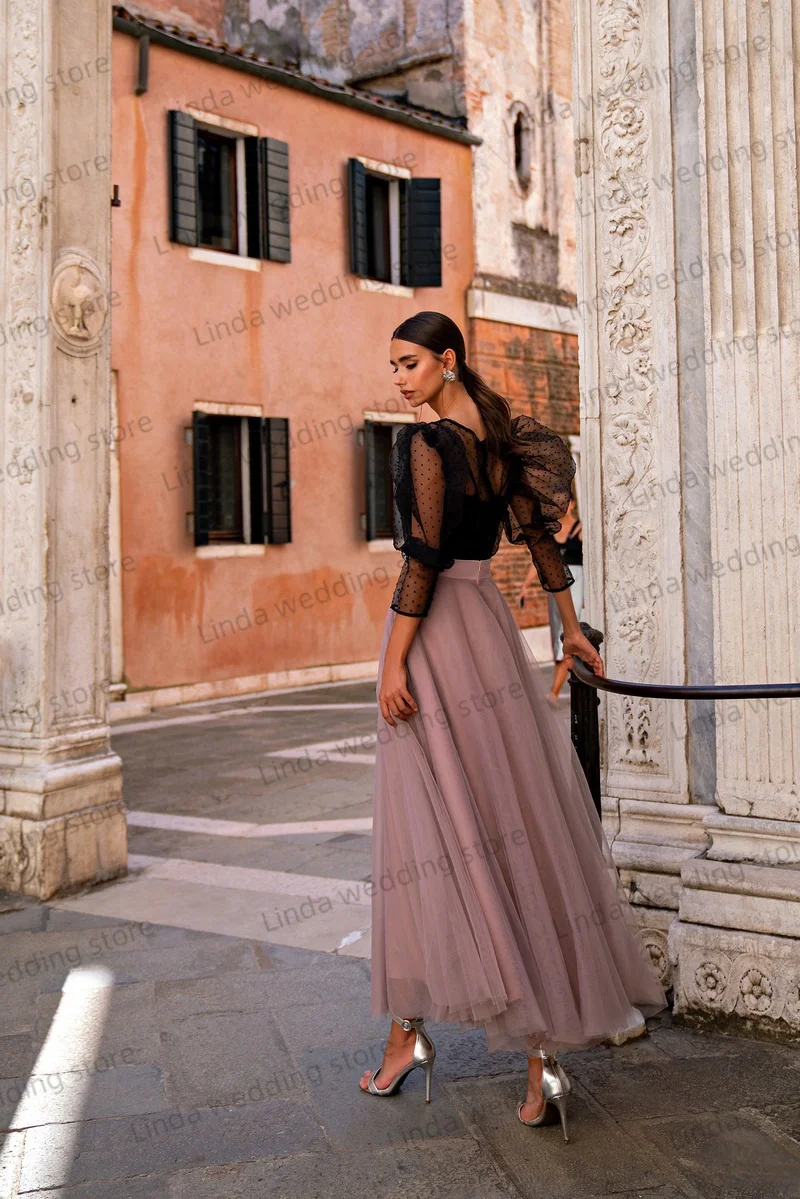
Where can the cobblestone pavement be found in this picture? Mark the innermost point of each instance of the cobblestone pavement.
(198, 1028)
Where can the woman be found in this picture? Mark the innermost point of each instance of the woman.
(496, 901)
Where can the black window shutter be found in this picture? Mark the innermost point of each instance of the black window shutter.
(201, 449)
(357, 194)
(275, 166)
(421, 233)
(183, 214)
(255, 198)
(276, 457)
(255, 430)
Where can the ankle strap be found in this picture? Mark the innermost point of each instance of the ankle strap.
(409, 1025)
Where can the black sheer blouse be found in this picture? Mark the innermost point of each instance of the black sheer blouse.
(452, 502)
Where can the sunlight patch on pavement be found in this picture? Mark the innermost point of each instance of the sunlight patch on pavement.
(299, 910)
(73, 1086)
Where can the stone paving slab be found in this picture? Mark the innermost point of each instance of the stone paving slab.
(538, 1160)
(243, 1054)
(17, 1055)
(354, 1121)
(726, 1156)
(311, 854)
(456, 1170)
(66, 1095)
(166, 1141)
(750, 1076)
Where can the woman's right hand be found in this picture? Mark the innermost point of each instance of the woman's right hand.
(394, 698)
(582, 648)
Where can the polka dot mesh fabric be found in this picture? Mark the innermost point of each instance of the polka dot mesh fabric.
(446, 485)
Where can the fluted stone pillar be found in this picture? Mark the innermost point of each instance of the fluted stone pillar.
(61, 816)
(686, 152)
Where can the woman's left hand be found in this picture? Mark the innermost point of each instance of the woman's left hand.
(583, 648)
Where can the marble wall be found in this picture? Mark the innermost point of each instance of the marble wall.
(688, 285)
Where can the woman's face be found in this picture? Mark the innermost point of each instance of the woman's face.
(418, 371)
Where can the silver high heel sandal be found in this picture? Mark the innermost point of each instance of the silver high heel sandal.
(424, 1054)
(555, 1089)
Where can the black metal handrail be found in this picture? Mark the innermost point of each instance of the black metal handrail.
(584, 703)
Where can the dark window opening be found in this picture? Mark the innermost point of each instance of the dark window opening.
(379, 255)
(379, 437)
(383, 490)
(216, 185)
(225, 479)
(522, 158)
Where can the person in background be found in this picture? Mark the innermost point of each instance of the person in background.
(570, 540)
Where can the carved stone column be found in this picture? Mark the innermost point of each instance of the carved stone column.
(737, 943)
(686, 151)
(631, 441)
(61, 817)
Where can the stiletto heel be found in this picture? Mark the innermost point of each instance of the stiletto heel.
(424, 1055)
(555, 1089)
(561, 1103)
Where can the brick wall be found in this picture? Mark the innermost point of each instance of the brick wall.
(538, 373)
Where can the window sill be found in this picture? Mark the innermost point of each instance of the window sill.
(389, 289)
(222, 258)
(233, 550)
(381, 545)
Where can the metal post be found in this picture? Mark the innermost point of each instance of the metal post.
(584, 721)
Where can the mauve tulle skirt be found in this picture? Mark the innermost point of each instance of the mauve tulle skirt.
(496, 903)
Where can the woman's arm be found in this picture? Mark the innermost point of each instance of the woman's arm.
(395, 699)
(421, 500)
(574, 640)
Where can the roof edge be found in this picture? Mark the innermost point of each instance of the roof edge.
(390, 110)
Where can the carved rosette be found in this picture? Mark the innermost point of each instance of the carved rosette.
(753, 986)
(625, 328)
(655, 942)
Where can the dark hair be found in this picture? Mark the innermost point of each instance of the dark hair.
(437, 333)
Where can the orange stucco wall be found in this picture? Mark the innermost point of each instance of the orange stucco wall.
(322, 598)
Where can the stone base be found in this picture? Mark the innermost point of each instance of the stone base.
(741, 982)
(43, 858)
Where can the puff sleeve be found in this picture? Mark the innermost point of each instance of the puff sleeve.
(429, 472)
(538, 498)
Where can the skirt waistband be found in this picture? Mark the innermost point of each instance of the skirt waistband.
(473, 569)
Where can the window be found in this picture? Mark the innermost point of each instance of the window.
(229, 192)
(379, 233)
(217, 190)
(226, 446)
(522, 144)
(395, 227)
(241, 479)
(378, 439)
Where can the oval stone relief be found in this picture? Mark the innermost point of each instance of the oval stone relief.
(79, 303)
